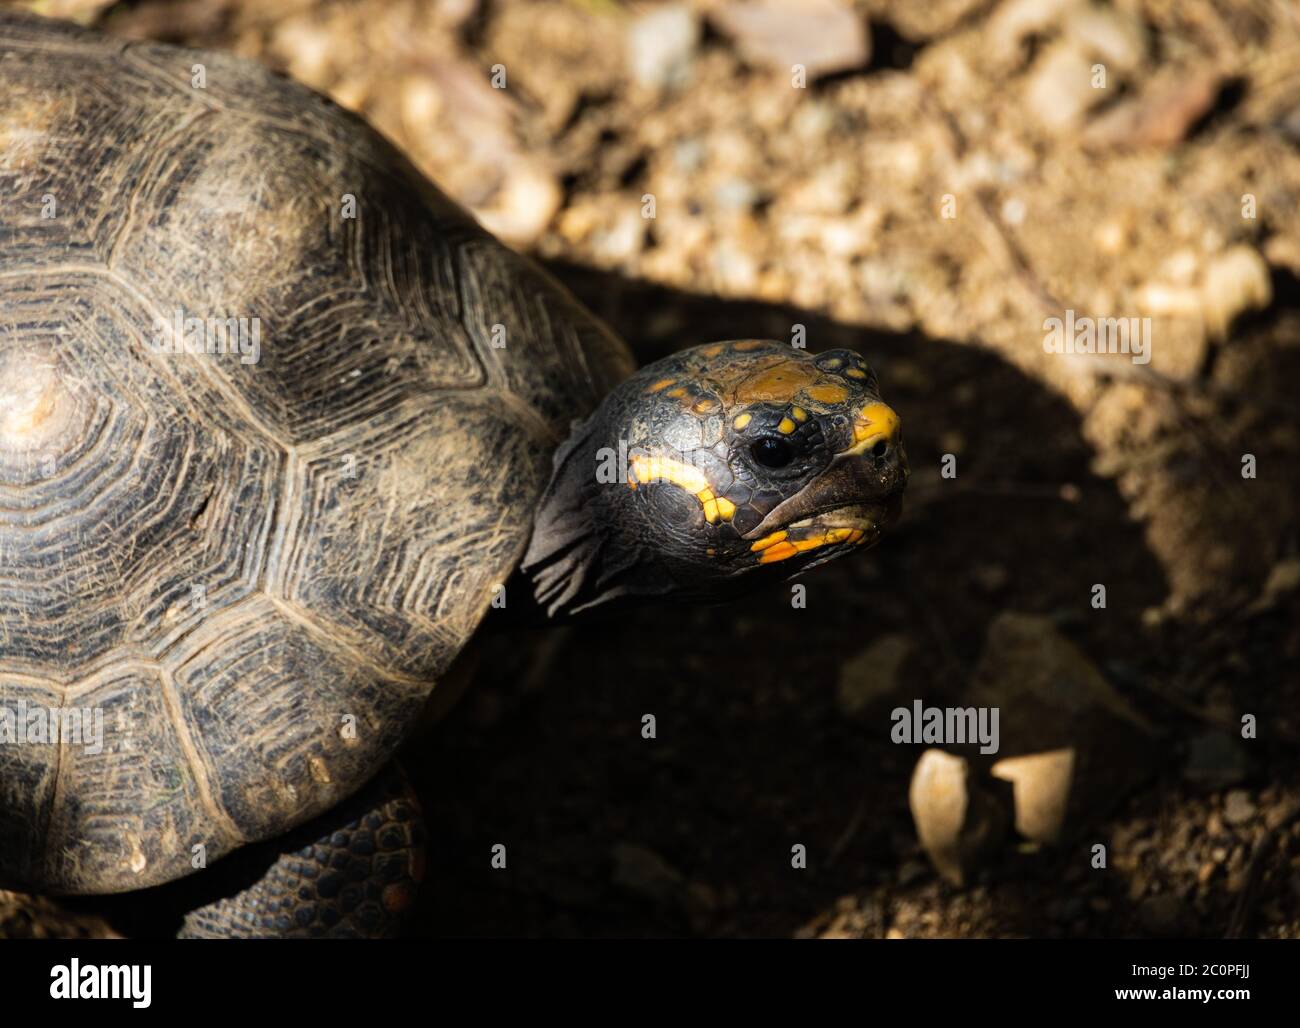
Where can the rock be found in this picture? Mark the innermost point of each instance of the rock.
(1234, 282)
(872, 676)
(622, 235)
(1238, 808)
(1041, 785)
(1046, 687)
(646, 874)
(1215, 760)
(1015, 21)
(960, 817)
(1283, 579)
(1112, 37)
(735, 194)
(824, 36)
(1161, 116)
(523, 206)
(1087, 746)
(661, 45)
(1060, 90)
(1278, 814)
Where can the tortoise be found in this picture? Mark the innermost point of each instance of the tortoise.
(280, 425)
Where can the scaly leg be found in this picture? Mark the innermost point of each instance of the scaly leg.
(351, 873)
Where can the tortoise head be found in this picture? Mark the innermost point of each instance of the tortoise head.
(713, 470)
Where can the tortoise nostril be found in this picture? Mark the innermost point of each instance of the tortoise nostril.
(880, 449)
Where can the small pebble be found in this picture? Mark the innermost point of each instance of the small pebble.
(1238, 807)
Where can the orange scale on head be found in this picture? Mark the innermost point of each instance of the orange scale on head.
(827, 392)
(777, 384)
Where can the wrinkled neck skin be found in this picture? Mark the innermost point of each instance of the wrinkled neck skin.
(588, 549)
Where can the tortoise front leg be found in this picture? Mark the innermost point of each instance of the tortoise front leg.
(351, 873)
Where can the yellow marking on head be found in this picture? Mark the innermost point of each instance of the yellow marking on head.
(781, 551)
(784, 549)
(677, 393)
(665, 469)
(742, 421)
(785, 427)
(769, 540)
(716, 508)
(693, 480)
(705, 406)
(663, 383)
(747, 345)
(833, 363)
(856, 373)
(799, 414)
(712, 351)
(829, 393)
(874, 422)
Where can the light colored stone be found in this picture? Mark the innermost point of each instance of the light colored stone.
(1234, 282)
(960, 817)
(1238, 807)
(661, 44)
(824, 36)
(1108, 35)
(523, 207)
(1042, 783)
(1060, 89)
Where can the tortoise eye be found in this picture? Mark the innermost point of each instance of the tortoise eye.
(772, 452)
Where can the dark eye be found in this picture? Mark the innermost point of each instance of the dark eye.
(772, 452)
(880, 449)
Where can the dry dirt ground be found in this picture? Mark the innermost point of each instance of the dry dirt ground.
(938, 186)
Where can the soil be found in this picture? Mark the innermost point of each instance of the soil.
(826, 207)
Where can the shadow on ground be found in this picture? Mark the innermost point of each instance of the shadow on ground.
(609, 833)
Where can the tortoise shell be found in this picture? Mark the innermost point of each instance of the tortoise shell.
(274, 417)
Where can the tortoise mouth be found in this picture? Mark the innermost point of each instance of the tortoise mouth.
(865, 516)
(822, 536)
(856, 492)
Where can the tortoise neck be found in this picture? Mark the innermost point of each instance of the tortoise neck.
(587, 548)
